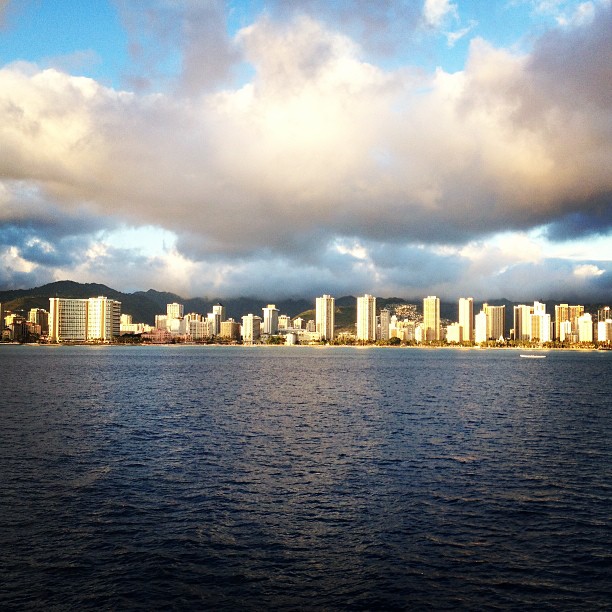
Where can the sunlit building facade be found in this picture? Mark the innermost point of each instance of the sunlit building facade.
(466, 319)
(585, 328)
(480, 327)
(174, 311)
(325, 316)
(385, 322)
(270, 320)
(79, 320)
(366, 318)
(251, 328)
(431, 318)
(496, 321)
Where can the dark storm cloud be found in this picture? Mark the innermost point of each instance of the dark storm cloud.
(597, 221)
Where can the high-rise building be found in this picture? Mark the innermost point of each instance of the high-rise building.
(174, 311)
(270, 320)
(325, 317)
(480, 327)
(603, 314)
(215, 322)
(566, 332)
(67, 320)
(38, 316)
(496, 321)
(466, 318)
(230, 329)
(251, 328)
(219, 309)
(522, 322)
(431, 318)
(539, 323)
(604, 330)
(540, 327)
(565, 312)
(78, 320)
(585, 328)
(385, 322)
(366, 317)
(454, 333)
(103, 318)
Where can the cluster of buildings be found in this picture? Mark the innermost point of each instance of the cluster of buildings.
(95, 319)
(99, 319)
(570, 325)
(177, 326)
(532, 324)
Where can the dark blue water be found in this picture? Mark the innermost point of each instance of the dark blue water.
(303, 478)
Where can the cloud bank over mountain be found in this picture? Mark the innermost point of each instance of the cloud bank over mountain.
(318, 170)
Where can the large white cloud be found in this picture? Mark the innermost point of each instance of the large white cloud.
(321, 145)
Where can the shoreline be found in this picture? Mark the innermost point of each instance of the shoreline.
(317, 346)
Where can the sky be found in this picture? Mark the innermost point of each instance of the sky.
(292, 148)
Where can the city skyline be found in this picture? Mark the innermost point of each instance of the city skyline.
(430, 147)
(100, 319)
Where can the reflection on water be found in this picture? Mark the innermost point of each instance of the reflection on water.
(189, 477)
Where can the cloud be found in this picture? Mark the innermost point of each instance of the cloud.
(319, 148)
(453, 37)
(436, 12)
(382, 27)
(588, 270)
(190, 34)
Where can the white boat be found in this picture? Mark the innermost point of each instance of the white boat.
(533, 356)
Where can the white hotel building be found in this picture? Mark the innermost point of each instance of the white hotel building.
(324, 316)
(81, 320)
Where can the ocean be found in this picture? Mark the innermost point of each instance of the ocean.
(286, 478)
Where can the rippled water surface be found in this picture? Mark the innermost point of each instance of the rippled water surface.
(304, 478)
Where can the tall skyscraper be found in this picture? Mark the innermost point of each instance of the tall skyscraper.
(522, 322)
(214, 318)
(466, 318)
(604, 330)
(174, 310)
(219, 309)
(270, 320)
(540, 327)
(325, 316)
(496, 321)
(565, 312)
(366, 317)
(480, 327)
(385, 322)
(431, 318)
(251, 328)
(585, 328)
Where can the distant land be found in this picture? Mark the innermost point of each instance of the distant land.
(144, 305)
